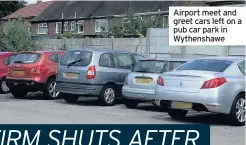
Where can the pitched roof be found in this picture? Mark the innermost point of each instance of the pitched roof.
(87, 9)
(29, 11)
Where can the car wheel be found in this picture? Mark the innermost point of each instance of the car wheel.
(177, 114)
(49, 90)
(130, 103)
(19, 93)
(237, 114)
(70, 98)
(107, 96)
(4, 88)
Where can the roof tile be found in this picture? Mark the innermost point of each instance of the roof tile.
(31, 10)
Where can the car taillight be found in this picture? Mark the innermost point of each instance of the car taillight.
(9, 71)
(160, 81)
(213, 83)
(91, 73)
(126, 80)
(37, 69)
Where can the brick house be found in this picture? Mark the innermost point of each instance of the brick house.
(28, 12)
(90, 18)
(93, 17)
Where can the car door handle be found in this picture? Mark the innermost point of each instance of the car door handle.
(120, 75)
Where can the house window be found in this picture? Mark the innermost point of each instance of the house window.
(72, 25)
(80, 26)
(101, 26)
(42, 28)
(66, 26)
(165, 21)
(58, 27)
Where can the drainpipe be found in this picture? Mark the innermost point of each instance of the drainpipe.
(62, 28)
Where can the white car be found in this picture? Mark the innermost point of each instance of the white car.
(215, 84)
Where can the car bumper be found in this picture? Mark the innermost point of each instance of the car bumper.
(29, 84)
(211, 99)
(79, 89)
(138, 94)
(2, 75)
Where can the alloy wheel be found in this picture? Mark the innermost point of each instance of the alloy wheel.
(109, 95)
(4, 86)
(53, 93)
(240, 110)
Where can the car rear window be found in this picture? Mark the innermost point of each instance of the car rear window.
(82, 58)
(27, 58)
(9, 59)
(151, 66)
(206, 65)
(176, 64)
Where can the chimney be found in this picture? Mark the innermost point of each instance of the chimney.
(39, 2)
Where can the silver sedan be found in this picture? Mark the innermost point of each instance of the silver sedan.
(140, 84)
(215, 84)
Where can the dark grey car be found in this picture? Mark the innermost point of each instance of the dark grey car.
(94, 72)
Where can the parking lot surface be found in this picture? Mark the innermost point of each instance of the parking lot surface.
(35, 110)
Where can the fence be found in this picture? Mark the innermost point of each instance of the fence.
(155, 45)
(130, 44)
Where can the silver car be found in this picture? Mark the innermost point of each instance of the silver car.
(215, 84)
(94, 73)
(140, 84)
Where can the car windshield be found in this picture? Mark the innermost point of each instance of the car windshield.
(77, 58)
(206, 65)
(151, 66)
(27, 58)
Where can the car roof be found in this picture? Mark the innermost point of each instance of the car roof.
(43, 51)
(229, 58)
(1, 52)
(102, 50)
(168, 59)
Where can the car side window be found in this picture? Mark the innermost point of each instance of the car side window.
(60, 57)
(241, 67)
(105, 60)
(54, 58)
(9, 59)
(124, 60)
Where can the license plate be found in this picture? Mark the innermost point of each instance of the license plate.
(143, 81)
(71, 75)
(181, 105)
(18, 72)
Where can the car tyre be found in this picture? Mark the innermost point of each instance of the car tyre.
(49, 90)
(237, 113)
(70, 98)
(4, 88)
(107, 96)
(19, 93)
(129, 103)
(177, 114)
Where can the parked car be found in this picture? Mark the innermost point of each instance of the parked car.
(94, 72)
(140, 84)
(215, 84)
(32, 72)
(5, 59)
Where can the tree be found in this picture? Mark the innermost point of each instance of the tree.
(134, 24)
(8, 7)
(1, 38)
(17, 37)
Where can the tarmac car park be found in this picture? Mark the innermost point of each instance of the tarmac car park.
(101, 73)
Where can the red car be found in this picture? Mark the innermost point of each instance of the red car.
(32, 72)
(5, 59)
